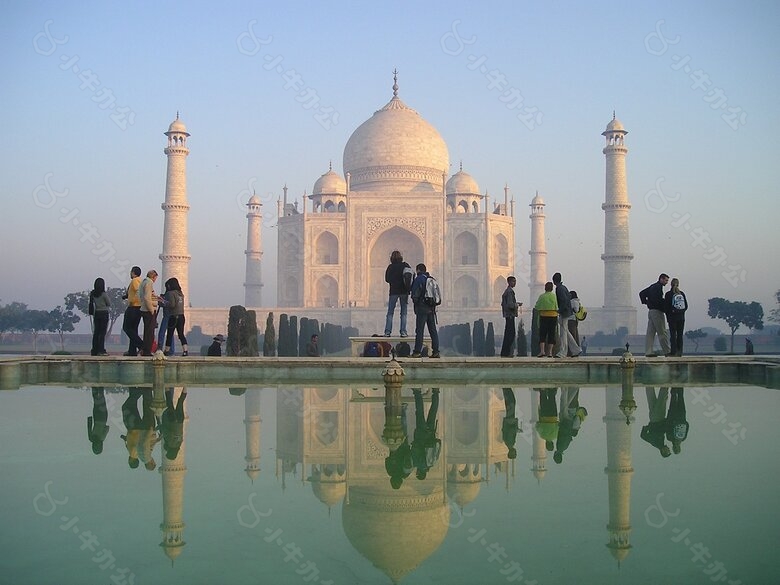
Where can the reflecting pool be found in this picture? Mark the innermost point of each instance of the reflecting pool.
(399, 484)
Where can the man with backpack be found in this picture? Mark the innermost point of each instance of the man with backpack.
(399, 276)
(426, 296)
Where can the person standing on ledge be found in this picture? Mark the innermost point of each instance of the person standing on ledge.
(653, 297)
(676, 303)
(509, 309)
(133, 312)
(399, 276)
(426, 314)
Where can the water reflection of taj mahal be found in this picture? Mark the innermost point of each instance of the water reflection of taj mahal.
(334, 440)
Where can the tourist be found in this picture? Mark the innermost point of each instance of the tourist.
(313, 348)
(653, 297)
(547, 307)
(573, 323)
(174, 303)
(397, 274)
(547, 420)
(133, 312)
(215, 349)
(566, 341)
(166, 317)
(572, 416)
(132, 421)
(748, 346)
(675, 305)
(99, 305)
(148, 310)
(509, 310)
(426, 314)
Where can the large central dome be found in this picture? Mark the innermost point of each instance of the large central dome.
(396, 150)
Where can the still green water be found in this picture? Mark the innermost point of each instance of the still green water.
(290, 485)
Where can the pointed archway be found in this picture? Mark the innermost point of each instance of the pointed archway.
(396, 238)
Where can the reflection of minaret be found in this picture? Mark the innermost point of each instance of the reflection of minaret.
(539, 450)
(617, 255)
(253, 285)
(173, 471)
(538, 252)
(619, 472)
(252, 424)
(175, 256)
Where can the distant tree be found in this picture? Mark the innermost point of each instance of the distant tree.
(522, 340)
(248, 333)
(80, 302)
(736, 313)
(12, 317)
(284, 333)
(774, 314)
(61, 321)
(236, 318)
(35, 321)
(695, 335)
(490, 341)
(269, 342)
(292, 349)
(720, 344)
(479, 337)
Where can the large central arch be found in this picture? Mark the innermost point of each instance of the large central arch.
(396, 238)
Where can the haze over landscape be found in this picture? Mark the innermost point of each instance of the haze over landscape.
(89, 89)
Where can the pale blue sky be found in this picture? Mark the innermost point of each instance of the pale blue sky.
(575, 62)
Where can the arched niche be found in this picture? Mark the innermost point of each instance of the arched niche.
(465, 250)
(326, 249)
(395, 238)
(465, 292)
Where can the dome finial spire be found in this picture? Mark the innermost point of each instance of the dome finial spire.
(330, 165)
(177, 114)
(613, 114)
(395, 82)
(461, 165)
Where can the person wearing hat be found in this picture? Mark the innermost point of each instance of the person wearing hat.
(215, 349)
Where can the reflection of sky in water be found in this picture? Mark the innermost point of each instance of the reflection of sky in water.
(553, 528)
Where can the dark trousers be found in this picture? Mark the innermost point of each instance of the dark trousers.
(426, 317)
(149, 323)
(676, 328)
(509, 337)
(130, 327)
(175, 322)
(100, 323)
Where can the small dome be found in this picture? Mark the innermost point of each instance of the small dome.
(462, 184)
(330, 183)
(615, 126)
(177, 126)
(329, 493)
(537, 200)
(254, 200)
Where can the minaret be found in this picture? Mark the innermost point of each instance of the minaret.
(617, 256)
(175, 256)
(619, 473)
(252, 425)
(173, 472)
(538, 252)
(253, 285)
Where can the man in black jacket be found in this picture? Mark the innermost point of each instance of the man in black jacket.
(396, 276)
(653, 297)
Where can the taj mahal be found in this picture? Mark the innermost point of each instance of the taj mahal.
(396, 194)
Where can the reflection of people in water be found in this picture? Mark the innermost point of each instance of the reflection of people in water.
(654, 432)
(426, 448)
(677, 425)
(132, 421)
(572, 417)
(510, 426)
(399, 464)
(172, 424)
(97, 427)
(149, 436)
(547, 425)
